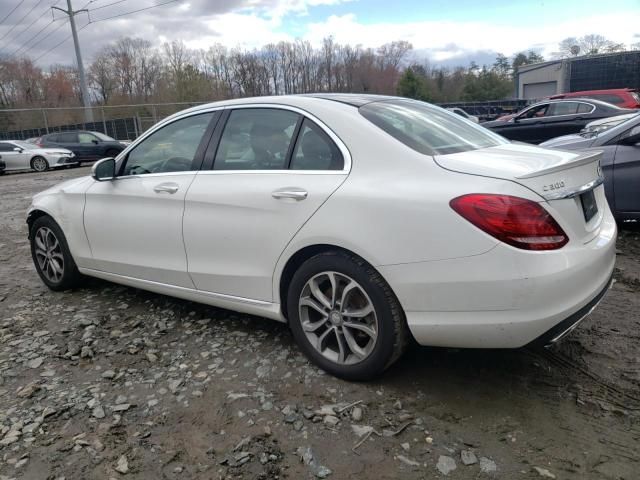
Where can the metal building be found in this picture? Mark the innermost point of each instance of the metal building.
(589, 72)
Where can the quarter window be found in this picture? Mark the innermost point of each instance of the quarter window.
(584, 108)
(171, 149)
(256, 139)
(315, 150)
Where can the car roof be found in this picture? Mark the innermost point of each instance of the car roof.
(598, 103)
(595, 92)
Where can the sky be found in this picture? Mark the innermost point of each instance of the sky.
(444, 32)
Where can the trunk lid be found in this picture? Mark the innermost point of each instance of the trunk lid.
(566, 180)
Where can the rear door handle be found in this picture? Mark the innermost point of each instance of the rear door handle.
(290, 192)
(169, 188)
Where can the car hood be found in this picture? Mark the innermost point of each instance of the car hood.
(570, 142)
(62, 187)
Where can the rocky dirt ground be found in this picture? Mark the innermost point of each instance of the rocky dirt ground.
(113, 382)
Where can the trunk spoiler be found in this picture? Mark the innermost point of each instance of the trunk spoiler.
(582, 159)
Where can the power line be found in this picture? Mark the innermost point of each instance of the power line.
(9, 14)
(20, 21)
(134, 11)
(22, 49)
(31, 24)
(107, 5)
(60, 43)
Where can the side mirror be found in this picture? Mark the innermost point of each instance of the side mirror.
(17, 149)
(94, 141)
(104, 170)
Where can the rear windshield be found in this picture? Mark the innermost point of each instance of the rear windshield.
(428, 129)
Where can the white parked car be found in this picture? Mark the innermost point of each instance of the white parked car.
(360, 220)
(463, 114)
(603, 124)
(19, 155)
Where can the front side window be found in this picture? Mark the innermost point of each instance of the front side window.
(6, 147)
(256, 139)
(315, 150)
(86, 138)
(535, 112)
(171, 149)
(428, 129)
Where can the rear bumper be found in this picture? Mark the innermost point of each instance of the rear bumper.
(505, 298)
(565, 327)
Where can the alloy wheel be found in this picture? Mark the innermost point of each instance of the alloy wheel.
(39, 164)
(338, 318)
(49, 254)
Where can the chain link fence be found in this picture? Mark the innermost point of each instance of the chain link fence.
(122, 122)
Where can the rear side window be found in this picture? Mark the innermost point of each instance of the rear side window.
(67, 138)
(86, 138)
(563, 108)
(256, 139)
(315, 150)
(428, 129)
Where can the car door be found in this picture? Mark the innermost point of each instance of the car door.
(271, 169)
(89, 146)
(564, 118)
(134, 222)
(526, 126)
(9, 156)
(69, 140)
(626, 172)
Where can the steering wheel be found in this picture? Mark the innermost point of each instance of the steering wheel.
(176, 164)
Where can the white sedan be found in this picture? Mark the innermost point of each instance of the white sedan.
(18, 155)
(359, 220)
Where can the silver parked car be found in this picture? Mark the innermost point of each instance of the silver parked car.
(620, 163)
(19, 155)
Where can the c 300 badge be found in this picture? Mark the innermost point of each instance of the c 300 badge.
(553, 186)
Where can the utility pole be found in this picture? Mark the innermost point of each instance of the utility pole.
(88, 113)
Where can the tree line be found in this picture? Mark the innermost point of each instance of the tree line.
(132, 70)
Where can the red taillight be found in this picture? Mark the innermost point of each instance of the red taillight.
(513, 220)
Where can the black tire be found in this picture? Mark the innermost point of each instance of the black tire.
(70, 277)
(113, 153)
(38, 159)
(393, 334)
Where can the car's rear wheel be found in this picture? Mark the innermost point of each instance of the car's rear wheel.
(345, 317)
(39, 164)
(51, 255)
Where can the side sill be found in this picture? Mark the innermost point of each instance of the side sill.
(238, 304)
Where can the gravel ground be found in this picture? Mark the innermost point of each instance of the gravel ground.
(114, 382)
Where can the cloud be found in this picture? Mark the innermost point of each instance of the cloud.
(253, 23)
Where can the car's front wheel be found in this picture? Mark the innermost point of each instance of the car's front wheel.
(51, 255)
(345, 317)
(39, 164)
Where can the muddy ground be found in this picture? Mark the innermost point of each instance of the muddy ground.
(113, 382)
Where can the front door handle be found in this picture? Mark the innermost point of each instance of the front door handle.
(290, 192)
(169, 188)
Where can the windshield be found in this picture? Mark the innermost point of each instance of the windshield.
(428, 129)
(103, 137)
